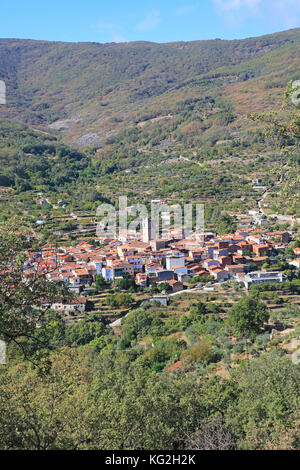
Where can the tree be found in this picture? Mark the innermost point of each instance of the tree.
(126, 283)
(283, 126)
(211, 435)
(199, 309)
(164, 286)
(52, 410)
(83, 332)
(120, 299)
(225, 223)
(143, 410)
(21, 296)
(100, 282)
(248, 316)
(137, 323)
(202, 351)
(265, 414)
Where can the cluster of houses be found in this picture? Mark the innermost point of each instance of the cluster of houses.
(173, 261)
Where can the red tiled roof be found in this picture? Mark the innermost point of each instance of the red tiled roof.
(176, 365)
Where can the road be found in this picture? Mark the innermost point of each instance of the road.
(118, 321)
(185, 291)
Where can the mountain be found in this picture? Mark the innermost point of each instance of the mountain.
(152, 121)
(90, 94)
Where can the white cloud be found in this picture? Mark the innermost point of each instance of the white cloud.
(278, 13)
(110, 30)
(102, 26)
(152, 19)
(184, 10)
(234, 12)
(288, 11)
(118, 38)
(228, 5)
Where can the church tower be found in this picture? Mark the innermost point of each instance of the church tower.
(146, 229)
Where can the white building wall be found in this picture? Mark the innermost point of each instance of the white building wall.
(174, 261)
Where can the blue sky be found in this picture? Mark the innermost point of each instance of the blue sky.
(133, 20)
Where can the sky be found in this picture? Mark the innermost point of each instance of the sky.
(136, 20)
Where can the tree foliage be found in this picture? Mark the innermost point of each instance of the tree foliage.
(248, 316)
(22, 297)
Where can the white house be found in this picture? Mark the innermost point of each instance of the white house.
(175, 260)
(74, 284)
(108, 273)
(295, 262)
(74, 306)
(260, 276)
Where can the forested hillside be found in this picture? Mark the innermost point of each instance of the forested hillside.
(184, 92)
(29, 159)
(149, 120)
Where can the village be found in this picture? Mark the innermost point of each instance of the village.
(172, 265)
